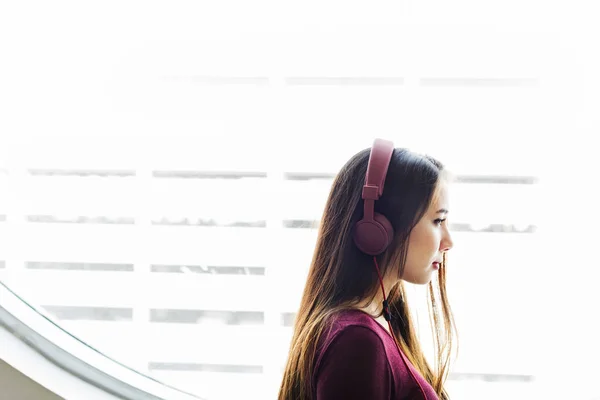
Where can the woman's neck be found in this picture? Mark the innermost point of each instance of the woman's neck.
(374, 306)
(376, 303)
(375, 312)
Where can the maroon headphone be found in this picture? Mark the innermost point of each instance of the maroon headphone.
(374, 233)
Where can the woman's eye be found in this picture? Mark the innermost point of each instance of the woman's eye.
(439, 221)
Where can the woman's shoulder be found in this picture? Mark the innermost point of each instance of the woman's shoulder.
(353, 320)
(350, 329)
(351, 317)
(351, 361)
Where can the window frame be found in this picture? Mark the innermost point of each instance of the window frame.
(76, 366)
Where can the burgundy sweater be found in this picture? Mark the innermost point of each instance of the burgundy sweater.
(358, 359)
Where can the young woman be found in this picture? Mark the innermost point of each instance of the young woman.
(384, 223)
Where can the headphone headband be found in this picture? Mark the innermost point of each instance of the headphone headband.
(379, 161)
(373, 233)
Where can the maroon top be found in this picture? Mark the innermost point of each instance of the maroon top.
(358, 359)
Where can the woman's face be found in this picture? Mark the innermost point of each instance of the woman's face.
(429, 239)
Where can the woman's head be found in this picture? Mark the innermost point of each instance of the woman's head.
(415, 189)
(342, 276)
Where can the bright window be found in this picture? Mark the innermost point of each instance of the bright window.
(163, 169)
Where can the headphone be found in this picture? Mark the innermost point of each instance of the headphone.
(374, 232)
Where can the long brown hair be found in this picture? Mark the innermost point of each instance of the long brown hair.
(340, 275)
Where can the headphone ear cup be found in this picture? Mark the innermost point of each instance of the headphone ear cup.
(373, 237)
(386, 225)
